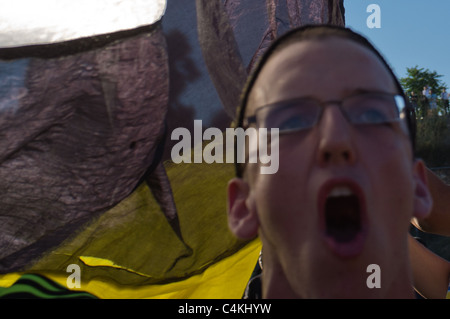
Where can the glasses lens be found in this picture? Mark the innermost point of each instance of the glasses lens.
(372, 108)
(290, 116)
(304, 113)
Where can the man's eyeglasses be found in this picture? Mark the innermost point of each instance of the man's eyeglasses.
(304, 113)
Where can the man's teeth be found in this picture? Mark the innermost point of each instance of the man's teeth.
(340, 192)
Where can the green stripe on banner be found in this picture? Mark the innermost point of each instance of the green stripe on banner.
(37, 286)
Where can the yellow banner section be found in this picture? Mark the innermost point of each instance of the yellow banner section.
(225, 279)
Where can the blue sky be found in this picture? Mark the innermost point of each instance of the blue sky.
(413, 32)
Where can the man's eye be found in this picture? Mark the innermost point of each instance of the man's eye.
(292, 117)
(372, 116)
(295, 122)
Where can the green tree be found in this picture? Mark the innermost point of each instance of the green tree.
(416, 79)
(432, 140)
(432, 130)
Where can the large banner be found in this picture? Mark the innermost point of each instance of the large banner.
(90, 93)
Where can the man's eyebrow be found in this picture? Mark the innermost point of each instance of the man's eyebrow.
(350, 92)
(346, 93)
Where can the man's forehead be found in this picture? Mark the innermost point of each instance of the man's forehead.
(318, 56)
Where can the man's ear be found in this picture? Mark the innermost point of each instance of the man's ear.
(242, 218)
(423, 202)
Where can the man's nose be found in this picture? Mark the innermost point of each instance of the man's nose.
(336, 140)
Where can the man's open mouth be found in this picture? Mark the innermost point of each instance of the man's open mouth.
(342, 208)
(342, 214)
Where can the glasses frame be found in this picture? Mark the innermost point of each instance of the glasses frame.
(399, 99)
